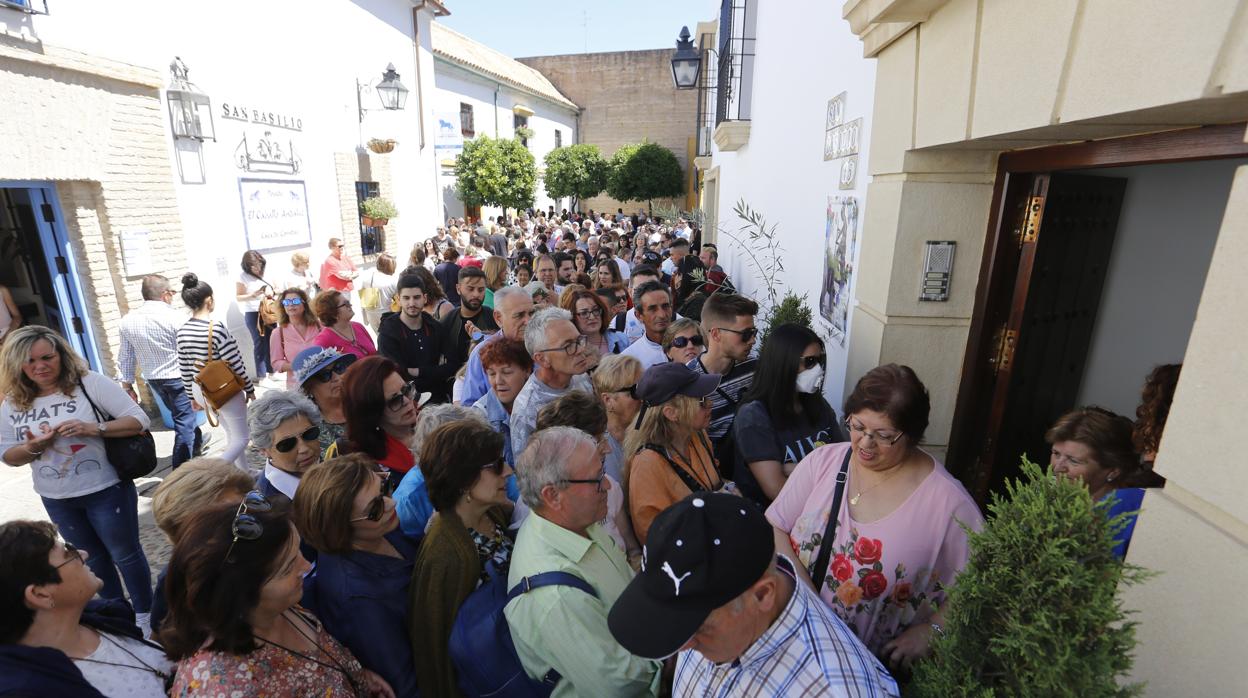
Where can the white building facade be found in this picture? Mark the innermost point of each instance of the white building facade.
(787, 134)
(287, 107)
(479, 91)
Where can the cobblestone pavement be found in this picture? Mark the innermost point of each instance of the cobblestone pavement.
(19, 501)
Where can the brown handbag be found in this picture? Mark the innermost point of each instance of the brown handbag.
(217, 380)
(267, 314)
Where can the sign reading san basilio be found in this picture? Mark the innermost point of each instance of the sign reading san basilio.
(242, 112)
(262, 150)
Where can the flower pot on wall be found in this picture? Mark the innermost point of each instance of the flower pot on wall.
(381, 146)
(374, 222)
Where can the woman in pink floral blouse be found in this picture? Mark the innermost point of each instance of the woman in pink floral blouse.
(234, 624)
(898, 541)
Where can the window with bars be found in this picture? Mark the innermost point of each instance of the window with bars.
(466, 127)
(372, 237)
(521, 122)
(737, 19)
(558, 138)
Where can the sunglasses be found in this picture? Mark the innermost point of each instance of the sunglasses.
(496, 467)
(246, 526)
(631, 390)
(809, 362)
(289, 302)
(288, 444)
(682, 342)
(338, 368)
(71, 553)
(377, 505)
(746, 335)
(407, 394)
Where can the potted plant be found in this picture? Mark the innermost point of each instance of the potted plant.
(376, 211)
(1036, 609)
(381, 146)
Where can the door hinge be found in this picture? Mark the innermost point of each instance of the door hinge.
(61, 266)
(49, 215)
(1002, 356)
(1030, 229)
(77, 323)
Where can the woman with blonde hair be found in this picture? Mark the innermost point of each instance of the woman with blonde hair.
(684, 340)
(671, 456)
(300, 277)
(55, 417)
(297, 327)
(495, 269)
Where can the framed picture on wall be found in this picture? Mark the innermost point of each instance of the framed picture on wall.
(275, 213)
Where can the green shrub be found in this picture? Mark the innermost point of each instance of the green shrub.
(1036, 612)
(791, 310)
(377, 207)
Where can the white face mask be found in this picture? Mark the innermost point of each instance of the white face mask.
(810, 380)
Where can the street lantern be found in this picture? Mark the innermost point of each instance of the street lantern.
(190, 111)
(686, 63)
(392, 92)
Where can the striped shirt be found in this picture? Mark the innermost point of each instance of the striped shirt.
(726, 399)
(193, 352)
(149, 337)
(808, 651)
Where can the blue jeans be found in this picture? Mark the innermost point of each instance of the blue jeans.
(106, 525)
(259, 345)
(186, 435)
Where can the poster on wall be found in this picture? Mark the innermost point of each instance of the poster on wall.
(449, 141)
(275, 213)
(839, 246)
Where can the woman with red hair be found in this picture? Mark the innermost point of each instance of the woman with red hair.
(381, 410)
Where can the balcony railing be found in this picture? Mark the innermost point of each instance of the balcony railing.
(736, 61)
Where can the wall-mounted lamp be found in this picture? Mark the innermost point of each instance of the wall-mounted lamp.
(190, 111)
(390, 91)
(686, 62)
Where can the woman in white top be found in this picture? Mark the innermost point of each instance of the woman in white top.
(297, 326)
(300, 277)
(382, 278)
(54, 639)
(193, 352)
(249, 290)
(47, 422)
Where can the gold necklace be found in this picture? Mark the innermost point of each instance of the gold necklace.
(854, 499)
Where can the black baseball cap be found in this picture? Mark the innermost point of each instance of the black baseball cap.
(662, 382)
(701, 553)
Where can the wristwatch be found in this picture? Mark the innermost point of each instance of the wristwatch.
(101, 427)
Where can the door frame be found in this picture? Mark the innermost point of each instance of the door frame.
(54, 240)
(998, 270)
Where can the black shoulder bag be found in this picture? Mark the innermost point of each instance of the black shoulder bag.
(820, 570)
(131, 456)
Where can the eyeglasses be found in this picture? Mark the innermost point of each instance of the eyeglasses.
(599, 481)
(401, 398)
(746, 334)
(289, 302)
(345, 304)
(571, 347)
(72, 554)
(246, 526)
(377, 505)
(682, 342)
(288, 444)
(327, 374)
(813, 361)
(589, 314)
(887, 437)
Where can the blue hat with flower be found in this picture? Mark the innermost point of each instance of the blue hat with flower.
(313, 360)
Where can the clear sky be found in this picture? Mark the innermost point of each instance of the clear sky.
(520, 28)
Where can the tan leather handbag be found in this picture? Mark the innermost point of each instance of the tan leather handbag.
(217, 380)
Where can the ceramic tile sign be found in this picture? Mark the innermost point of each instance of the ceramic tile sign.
(275, 213)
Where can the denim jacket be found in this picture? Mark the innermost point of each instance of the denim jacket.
(500, 420)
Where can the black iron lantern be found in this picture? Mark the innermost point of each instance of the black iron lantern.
(686, 63)
(392, 92)
(190, 111)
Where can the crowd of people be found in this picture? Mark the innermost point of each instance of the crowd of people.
(565, 465)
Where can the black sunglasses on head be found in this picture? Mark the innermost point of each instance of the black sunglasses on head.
(809, 362)
(246, 526)
(288, 444)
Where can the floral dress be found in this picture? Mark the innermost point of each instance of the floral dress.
(883, 576)
(272, 671)
(493, 551)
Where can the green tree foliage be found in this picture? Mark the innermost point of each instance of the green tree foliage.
(791, 310)
(644, 171)
(1036, 612)
(496, 172)
(577, 170)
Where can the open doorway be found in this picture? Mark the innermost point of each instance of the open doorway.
(1091, 278)
(37, 266)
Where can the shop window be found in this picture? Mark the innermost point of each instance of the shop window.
(466, 127)
(558, 138)
(372, 237)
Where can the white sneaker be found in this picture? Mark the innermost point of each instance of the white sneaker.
(144, 621)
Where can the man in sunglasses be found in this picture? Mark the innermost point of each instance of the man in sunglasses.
(728, 320)
(559, 365)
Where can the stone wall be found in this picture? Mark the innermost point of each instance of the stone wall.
(625, 97)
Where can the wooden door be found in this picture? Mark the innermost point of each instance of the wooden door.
(1029, 374)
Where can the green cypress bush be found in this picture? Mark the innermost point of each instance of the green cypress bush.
(1036, 612)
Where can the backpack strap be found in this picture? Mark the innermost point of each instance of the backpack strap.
(547, 579)
(690, 481)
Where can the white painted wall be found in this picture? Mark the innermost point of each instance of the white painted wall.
(455, 84)
(1170, 219)
(806, 55)
(277, 56)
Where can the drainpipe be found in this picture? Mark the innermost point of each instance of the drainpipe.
(497, 87)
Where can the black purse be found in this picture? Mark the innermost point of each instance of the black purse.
(131, 456)
(820, 570)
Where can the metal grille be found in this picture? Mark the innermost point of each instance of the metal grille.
(736, 61)
(372, 237)
(707, 96)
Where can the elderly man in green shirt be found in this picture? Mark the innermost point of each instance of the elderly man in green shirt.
(559, 627)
